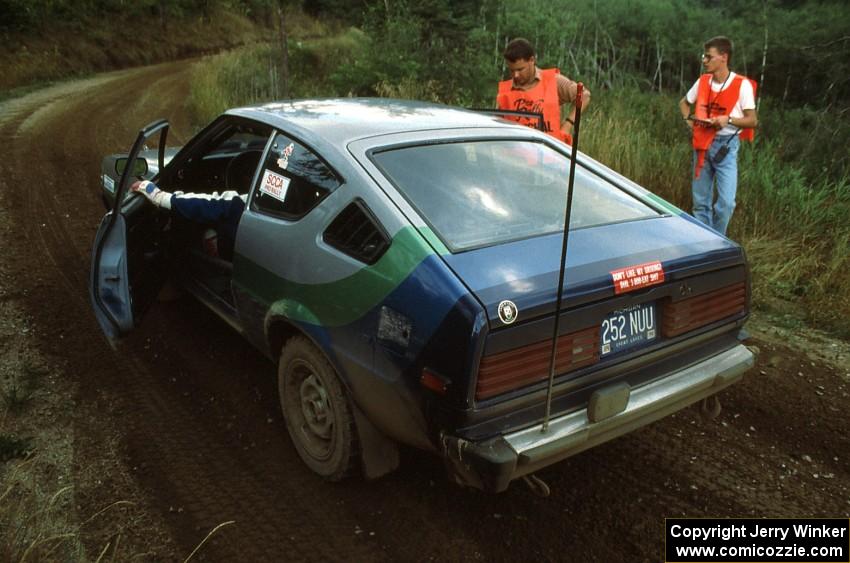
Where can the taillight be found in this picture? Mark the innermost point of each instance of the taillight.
(529, 364)
(694, 312)
(434, 381)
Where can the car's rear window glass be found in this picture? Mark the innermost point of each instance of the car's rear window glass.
(482, 193)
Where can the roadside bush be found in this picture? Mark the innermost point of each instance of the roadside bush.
(252, 74)
(239, 77)
(815, 140)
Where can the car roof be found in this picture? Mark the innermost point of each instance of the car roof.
(338, 121)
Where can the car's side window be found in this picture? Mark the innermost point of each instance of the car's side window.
(225, 159)
(356, 232)
(292, 181)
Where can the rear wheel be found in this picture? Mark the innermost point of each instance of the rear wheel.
(315, 407)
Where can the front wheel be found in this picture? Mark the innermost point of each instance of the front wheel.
(315, 407)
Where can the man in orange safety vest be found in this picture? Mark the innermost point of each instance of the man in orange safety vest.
(724, 111)
(538, 90)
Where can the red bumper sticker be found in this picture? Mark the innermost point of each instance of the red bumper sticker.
(631, 278)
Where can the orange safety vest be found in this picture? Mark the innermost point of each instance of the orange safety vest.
(710, 104)
(543, 98)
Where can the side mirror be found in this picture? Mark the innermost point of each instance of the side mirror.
(140, 166)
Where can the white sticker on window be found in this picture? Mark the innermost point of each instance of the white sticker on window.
(283, 161)
(275, 185)
(109, 183)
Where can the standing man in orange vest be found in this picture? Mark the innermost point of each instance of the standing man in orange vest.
(725, 109)
(539, 91)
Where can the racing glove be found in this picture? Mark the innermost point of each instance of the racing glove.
(158, 197)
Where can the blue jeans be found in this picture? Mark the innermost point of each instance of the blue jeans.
(717, 214)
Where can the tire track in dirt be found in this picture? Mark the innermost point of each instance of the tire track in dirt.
(56, 201)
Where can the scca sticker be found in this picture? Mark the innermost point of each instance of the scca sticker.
(636, 277)
(274, 185)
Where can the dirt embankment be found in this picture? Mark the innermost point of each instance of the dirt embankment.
(58, 51)
(180, 426)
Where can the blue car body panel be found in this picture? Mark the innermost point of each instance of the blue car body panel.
(526, 271)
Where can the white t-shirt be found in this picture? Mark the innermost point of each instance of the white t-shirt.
(746, 99)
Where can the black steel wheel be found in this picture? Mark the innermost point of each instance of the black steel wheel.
(315, 407)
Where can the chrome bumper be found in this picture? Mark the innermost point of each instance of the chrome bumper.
(528, 450)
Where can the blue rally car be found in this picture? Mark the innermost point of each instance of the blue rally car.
(399, 261)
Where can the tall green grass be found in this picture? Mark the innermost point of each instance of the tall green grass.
(235, 78)
(34, 523)
(793, 212)
(252, 74)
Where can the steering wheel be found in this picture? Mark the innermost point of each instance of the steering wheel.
(240, 171)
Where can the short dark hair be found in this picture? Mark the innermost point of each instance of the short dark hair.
(518, 49)
(722, 44)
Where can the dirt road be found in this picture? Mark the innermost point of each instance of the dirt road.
(183, 418)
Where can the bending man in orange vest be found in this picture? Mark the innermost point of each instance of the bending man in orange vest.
(539, 91)
(725, 109)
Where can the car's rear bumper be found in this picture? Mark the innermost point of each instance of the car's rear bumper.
(492, 464)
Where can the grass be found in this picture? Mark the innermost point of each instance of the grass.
(252, 74)
(21, 91)
(20, 391)
(41, 524)
(16, 397)
(240, 77)
(12, 447)
(33, 523)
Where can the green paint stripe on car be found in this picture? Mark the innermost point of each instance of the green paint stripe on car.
(434, 240)
(664, 203)
(339, 302)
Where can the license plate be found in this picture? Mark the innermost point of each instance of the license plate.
(628, 328)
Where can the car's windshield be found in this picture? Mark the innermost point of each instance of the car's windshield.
(482, 193)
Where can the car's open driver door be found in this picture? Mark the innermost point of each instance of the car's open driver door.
(128, 257)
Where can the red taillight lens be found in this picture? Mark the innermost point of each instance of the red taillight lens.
(434, 382)
(694, 312)
(523, 366)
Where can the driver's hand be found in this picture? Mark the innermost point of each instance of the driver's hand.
(158, 197)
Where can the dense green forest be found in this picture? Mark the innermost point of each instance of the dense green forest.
(637, 57)
(797, 49)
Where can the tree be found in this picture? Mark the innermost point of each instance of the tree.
(282, 7)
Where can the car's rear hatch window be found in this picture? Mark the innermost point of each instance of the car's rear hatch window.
(480, 193)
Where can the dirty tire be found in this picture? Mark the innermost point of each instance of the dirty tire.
(315, 407)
